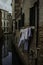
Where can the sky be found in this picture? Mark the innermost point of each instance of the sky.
(6, 5)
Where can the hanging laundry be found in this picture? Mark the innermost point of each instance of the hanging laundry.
(21, 37)
(26, 45)
(26, 34)
(29, 32)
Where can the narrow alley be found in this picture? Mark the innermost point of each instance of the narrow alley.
(7, 60)
(21, 32)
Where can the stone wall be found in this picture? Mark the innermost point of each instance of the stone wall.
(26, 6)
(40, 32)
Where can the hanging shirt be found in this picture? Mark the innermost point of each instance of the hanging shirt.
(21, 38)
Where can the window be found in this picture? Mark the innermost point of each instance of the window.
(22, 20)
(32, 16)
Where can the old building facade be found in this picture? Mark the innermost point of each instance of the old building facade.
(6, 25)
(33, 10)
